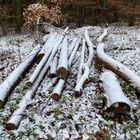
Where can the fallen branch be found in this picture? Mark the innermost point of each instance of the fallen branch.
(117, 102)
(81, 82)
(120, 69)
(62, 70)
(12, 79)
(102, 36)
(90, 49)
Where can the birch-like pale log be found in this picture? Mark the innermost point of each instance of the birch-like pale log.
(117, 102)
(62, 70)
(120, 69)
(15, 119)
(60, 85)
(74, 52)
(44, 60)
(10, 82)
(81, 81)
(58, 89)
(53, 67)
(102, 36)
(71, 47)
(79, 75)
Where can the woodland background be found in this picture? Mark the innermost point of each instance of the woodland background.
(76, 12)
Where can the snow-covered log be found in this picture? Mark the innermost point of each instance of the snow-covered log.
(39, 67)
(74, 52)
(62, 70)
(50, 42)
(79, 75)
(90, 49)
(71, 47)
(81, 81)
(120, 69)
(102, 36)
(49, 85)
(58, 89)
(53, 67)
(117, 102)
(45, 62)
(89, 43)
(60, 85)
(17, 115)
(10, 82)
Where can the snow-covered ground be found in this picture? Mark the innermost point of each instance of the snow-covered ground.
(71, 118)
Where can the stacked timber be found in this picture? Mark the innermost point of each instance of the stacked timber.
(59, 53)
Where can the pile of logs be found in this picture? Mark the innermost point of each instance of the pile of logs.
(58, 56)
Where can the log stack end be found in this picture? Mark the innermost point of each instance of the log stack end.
(11, 126)
(1, 104)
(62, 73)
(119, 108)
(55, 97)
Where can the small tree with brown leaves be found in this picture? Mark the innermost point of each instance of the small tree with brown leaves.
(36, 11)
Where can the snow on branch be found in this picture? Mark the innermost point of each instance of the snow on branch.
(10, 82)
(120, 69)
(117, 102)
(102, 36)
(81, 82)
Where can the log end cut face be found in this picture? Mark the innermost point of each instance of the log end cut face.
(62, 73)
(55, 97)
(119, 108)
(1, 104)
(77, 94)
(138, 92)
(11, 126)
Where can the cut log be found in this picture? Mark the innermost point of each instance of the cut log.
(120, 69)
(81, 82)
(74, 52)
(15, 119)
(50, 42)
(71, 47)
(117, 102)
(62, 70)
(102, 36)
(60, 85)
(11, 81)
(44, 60)
(58, 89)
(79, 75)
(53, 67)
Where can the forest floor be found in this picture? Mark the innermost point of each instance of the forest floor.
(72, 118)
